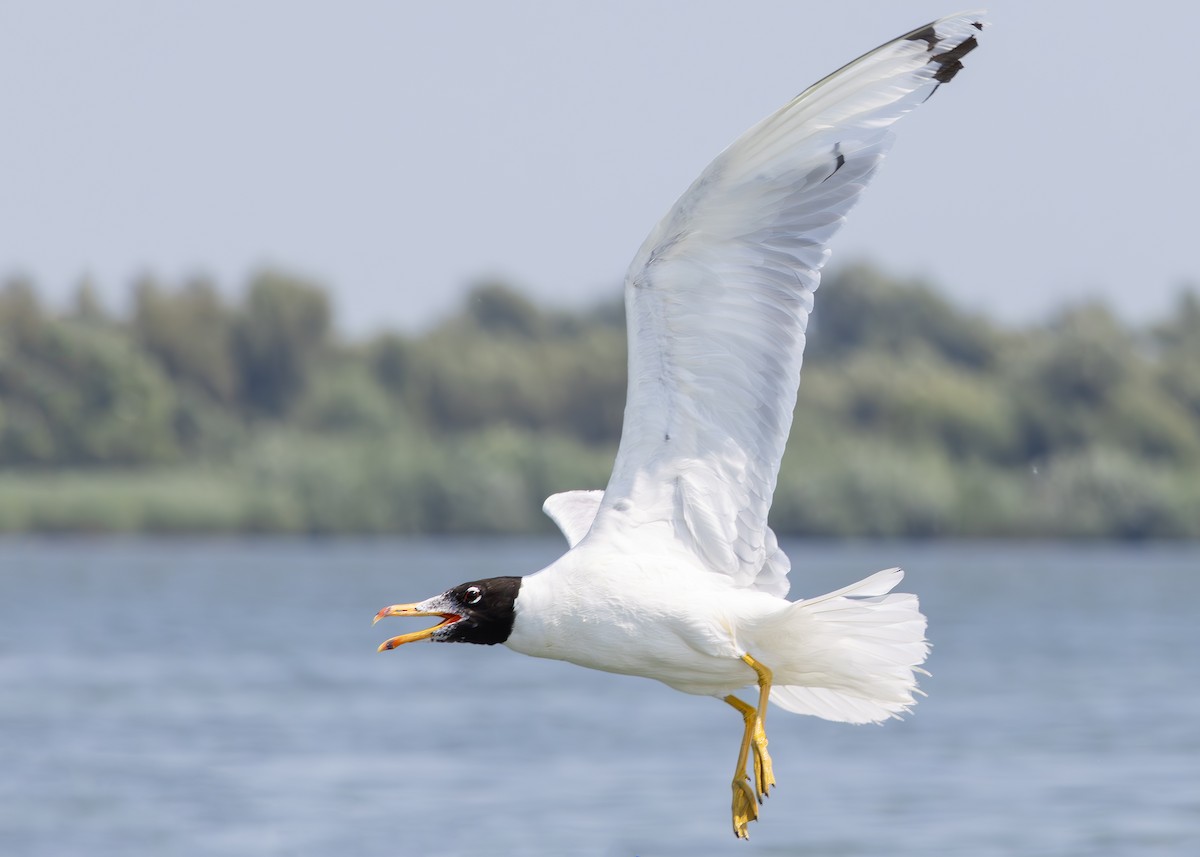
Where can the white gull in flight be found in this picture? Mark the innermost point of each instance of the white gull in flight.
(672, 571)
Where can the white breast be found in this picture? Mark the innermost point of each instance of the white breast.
(653, 616)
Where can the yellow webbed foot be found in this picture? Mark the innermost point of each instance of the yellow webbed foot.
(756, 738)
(745, 806)
(764, 775)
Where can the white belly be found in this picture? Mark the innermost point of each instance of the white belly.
(680, 630)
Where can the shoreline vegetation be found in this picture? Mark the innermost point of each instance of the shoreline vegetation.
(200, 414)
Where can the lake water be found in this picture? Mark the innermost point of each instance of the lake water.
(225, 698)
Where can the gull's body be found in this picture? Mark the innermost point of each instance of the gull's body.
(672, 572)
(619, 613)
(640, 605)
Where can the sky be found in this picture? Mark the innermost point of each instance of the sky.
(399, 152)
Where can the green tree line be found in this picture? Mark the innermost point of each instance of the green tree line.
(193, 412)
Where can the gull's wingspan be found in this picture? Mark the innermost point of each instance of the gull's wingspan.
(718, 299)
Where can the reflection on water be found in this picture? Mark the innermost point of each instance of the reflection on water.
(225, 698)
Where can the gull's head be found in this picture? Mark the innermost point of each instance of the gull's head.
(481, 611)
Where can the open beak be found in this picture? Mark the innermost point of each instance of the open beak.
(413, 610)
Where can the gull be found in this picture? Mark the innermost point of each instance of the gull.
(672, 572)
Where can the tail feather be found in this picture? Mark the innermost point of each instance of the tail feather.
(851, 655)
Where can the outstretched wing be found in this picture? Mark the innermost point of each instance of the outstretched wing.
(718, 298)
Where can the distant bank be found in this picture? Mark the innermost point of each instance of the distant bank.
(196, 414)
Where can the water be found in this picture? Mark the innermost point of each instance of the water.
(225, 698)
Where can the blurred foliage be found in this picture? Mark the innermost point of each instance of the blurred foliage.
(278, 337)
(198, 413)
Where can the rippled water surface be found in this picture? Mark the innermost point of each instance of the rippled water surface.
(225, 698)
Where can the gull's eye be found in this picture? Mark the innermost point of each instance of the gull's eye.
(473, 594)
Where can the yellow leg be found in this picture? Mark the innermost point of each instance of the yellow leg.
(764, 776)
(745, 804)
(745, 798)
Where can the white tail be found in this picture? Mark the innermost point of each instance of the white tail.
(851, 655)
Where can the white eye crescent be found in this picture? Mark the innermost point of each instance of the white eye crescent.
(473, 594)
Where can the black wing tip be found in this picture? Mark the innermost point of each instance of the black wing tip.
(950, 62)
(947, 62)
(927, 34)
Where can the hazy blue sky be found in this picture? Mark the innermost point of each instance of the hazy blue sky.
(398, 151)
